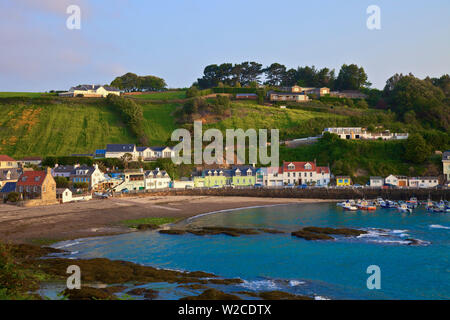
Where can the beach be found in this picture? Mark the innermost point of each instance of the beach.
(103, 217)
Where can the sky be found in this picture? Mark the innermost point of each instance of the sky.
(176, 39)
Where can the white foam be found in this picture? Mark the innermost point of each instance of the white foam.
(399, 231)
(294, 283)
(320, 298)
(260, 285)
(438, 226)
(68, 244)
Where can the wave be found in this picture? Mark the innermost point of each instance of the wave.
(438, 226)
(261, 285)
(66, 244)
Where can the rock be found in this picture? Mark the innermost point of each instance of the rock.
(320, 233)
(147, 226)
(213, 294)
(280, 295)
(311, 236)
(412, 242)
(225, 281)
(88, 293)
(193, 286)
(172, 231)
(149, 294)
(273, 231)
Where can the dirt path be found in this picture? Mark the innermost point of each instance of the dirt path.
(102, 217)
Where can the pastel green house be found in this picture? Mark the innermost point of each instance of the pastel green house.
(244, 176)
(211, 178)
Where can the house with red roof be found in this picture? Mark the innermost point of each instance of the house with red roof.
(38, 187)
(6, 162)
(305, 172)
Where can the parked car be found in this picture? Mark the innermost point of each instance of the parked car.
(302, 186)
(258, 185)
(216, 187)
(188, 187)
(289, 186)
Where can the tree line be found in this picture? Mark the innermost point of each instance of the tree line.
(350, 77)
(130, 82)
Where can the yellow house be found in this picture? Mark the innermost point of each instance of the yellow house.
(342, 181)
(6, 162)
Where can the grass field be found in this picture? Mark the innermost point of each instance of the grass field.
(167, 95)
(159, 122)
(24, 94)
(290, 122)
(27, 129)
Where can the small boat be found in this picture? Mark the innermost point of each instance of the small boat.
(349, 207)
(388, 204)
(404, 208)
(366, 205)
(413, 203)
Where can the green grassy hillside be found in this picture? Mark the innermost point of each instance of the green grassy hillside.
(47, 128)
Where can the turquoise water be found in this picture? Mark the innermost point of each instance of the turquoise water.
(330, 269)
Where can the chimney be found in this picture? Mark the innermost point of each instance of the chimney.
(49, 171)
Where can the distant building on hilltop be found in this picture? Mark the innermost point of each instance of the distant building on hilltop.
(90, 91)
(352, 133)
(446, 164)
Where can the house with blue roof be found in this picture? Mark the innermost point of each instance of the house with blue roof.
(7, 189)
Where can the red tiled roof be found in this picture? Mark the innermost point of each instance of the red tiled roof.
(299, 166)
(4, 157)
(323, 169)
(31, 178)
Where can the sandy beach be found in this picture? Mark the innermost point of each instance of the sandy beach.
(103, 217)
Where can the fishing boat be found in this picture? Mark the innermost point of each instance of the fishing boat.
(349, 207)
(404, 208)
(366, 205)
(412, 203)
(388, 204)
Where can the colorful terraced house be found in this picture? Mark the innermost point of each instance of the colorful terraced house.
(342, 181)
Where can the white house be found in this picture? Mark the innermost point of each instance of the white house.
(119, 150)
(90, 175)
(157, 179)
(351, 133)
(423, 182)
(64, 195)
(397, 181)
(446, 165)
(90, 90)
(305, 173)
(270, 176)
(183, 184)
(376, 182)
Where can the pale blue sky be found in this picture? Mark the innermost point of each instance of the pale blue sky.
(176, 39)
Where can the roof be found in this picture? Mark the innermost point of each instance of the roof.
(246, 94)
(141, 148)
(375, 177)
(446, 155)
(67, 168)
(159, 149)
(9, 187)
(226, 172)
(4, 157)
(100, 151)
(244, 169)
(154, 173)
(31, 178)
(109, 88)
(342, 177)
(61, 190)
(299, 166)
(120, 147)
(87, 87)
(90, 171)
(289, 93)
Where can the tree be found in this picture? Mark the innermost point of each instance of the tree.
(127, 157)
(416, 149)
(351, 77)
(275, 74)
(62, 182)
(132, 82)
